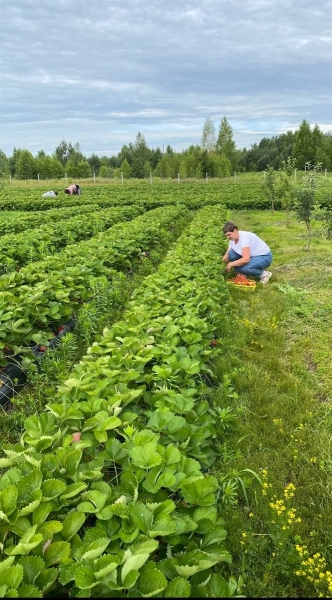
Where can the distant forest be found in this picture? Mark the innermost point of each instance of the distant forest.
(215, 156)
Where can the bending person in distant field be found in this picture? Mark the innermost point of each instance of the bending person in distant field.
(73, 189)
(50, 194)
(247, 253)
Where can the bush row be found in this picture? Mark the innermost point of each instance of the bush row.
(105, 495)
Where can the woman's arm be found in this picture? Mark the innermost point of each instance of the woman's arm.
(240, 261)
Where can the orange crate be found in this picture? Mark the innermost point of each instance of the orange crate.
(240, 286)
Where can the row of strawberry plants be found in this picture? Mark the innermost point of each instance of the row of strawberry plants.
(193, 195)
(105, 495)
(47, 292)
(32, 201)
(21, 248)
(15, 223)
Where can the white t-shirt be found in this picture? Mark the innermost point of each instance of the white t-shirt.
(49, 195)
(247, 239)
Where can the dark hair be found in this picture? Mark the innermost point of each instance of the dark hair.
(229, 226)
(66, 191)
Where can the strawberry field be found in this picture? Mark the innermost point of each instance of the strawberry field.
(115, 311)
(107, 492)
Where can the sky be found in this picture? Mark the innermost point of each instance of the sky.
(99, 72)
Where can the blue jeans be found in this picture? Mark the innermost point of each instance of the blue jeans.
(256, 265)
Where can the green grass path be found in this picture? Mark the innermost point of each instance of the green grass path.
(280, 360)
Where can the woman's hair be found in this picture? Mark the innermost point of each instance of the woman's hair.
(229, 226)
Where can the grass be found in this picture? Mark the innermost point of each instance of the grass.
(280, 361)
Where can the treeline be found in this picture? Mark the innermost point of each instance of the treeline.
(215, 156)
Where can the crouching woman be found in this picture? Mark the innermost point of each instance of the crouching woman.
(247, 253)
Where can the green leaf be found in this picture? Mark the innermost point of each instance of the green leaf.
(145, 457)
(32, 567)
(130, 579)
(85, 578)
(217, 587)
(215, 536)
(141, 516)
(46, 579)
(51, 488)
(41, 513)
(72, 523)
(201, 491)
(163, 527)
(49, 528)
(95, 549)
(87, 507)
(178, 588)
(99, 499)
(23, 547)
(35, 498)
(56, 553)
(171, 456)
(4, 564)
(151, 581)
(186, 570)
(12, 577)
(8, 498)
(105, 565)
(11, 477)
(29, 485)
(72, 490)
(7, 462)
(29, 591)
(137, 560)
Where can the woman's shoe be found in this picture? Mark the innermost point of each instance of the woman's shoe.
(265, 277)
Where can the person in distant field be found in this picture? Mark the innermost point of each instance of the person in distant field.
(74, 188)
(50, 194)
(247, 253)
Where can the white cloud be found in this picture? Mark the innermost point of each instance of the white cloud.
(99, 72)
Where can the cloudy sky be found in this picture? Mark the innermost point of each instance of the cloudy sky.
(99, 72)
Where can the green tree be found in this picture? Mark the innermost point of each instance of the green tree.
(322, 157)
(57, 169)
(306, 204)
(126, 169)
(48, 167)
(156, 156)
(303, 150)
(104, 171)
(147, 169)
(191, 160)
(13, 161)
(208, 141)
(270, 185)
(64, 151)
(4, 169)
(221, 166)
(79, 169)
(284, 188)
(26, 166)
(225, 143)
(317, 137)
(4, 165)
(95, 163)
(141, 155)
(169, 150)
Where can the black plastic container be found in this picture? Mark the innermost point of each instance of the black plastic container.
(13, 377)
